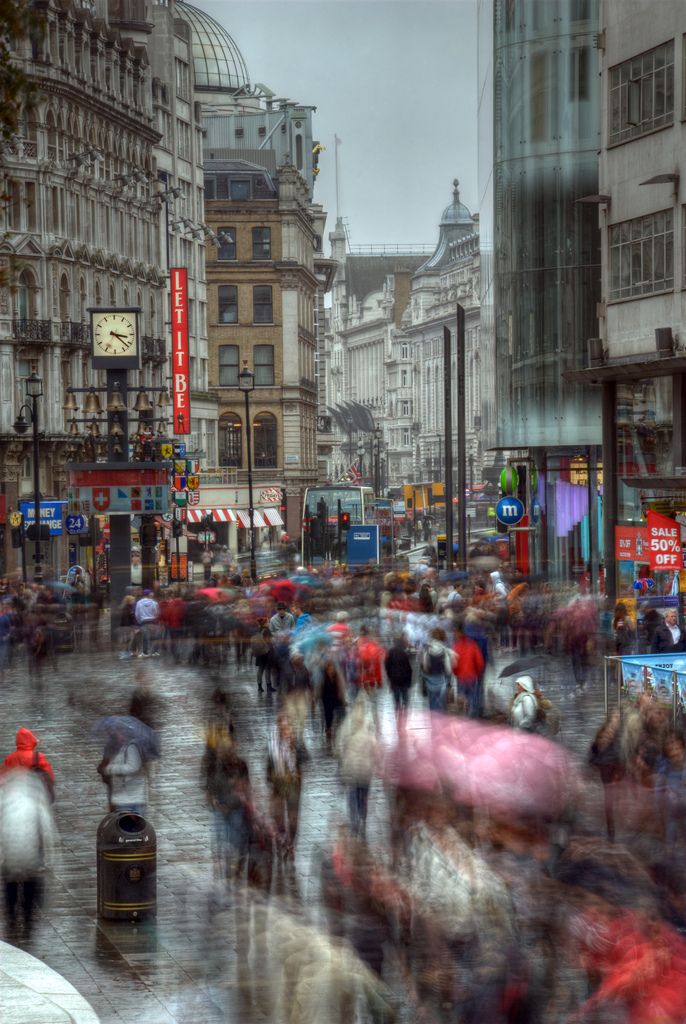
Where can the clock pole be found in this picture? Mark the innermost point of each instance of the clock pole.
(120, 525)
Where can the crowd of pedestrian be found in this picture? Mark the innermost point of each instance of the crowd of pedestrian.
(502, 889)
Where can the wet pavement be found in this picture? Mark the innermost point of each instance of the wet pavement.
(203, 958)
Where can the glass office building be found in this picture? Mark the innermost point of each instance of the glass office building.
(544, 261)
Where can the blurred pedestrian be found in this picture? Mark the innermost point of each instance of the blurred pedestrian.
(26, 755)
(145, 704)
(468, 670)
(128, 628)
(437, 668)
(670, 791)
(357, 749)
(27, 840)
(281, 625)
(298, 700)
(226, 783)
(263, 657)
(332, 695)
(623, 630)
(606, 756)
(147, 616)
(398, 665)
(122, 768)
(284, 775)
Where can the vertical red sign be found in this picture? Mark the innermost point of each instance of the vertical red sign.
(180, 357)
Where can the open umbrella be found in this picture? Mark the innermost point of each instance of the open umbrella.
(504, 771)
(215, 594)
(59, 585)
(126, 729)
(282, 590)
(524, 666)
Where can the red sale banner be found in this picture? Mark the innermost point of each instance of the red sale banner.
(631, 544)
(180, 357)
(664, 542)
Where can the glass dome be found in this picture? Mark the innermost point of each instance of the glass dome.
(217, 61)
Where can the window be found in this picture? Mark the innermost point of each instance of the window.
(182, 80)
(230, 440)
(240, 189)
(228, 366)
(405, 351)
(406, 439)
(226, 249)
(405, 408)
(262, 312)
(642, 256)
(264, 440)
(403, 378)
(261, 243)
(227, 304)
(642, 94)
(263, 356)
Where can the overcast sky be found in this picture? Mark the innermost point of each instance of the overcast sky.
(395, 80)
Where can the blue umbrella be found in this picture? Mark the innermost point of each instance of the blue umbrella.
(127, 729)
(307, 639)
(306, 579)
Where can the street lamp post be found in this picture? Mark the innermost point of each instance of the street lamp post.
(34, 391)
(246, 383)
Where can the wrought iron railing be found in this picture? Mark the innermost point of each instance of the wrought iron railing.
(32, 330)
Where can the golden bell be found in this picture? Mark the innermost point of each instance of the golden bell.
(115, 403)
(116, 428)
(70, 402)
(73, 428)
(142, 403)
(162, 429)
(164, 399)
(92, 406)
(94, 428)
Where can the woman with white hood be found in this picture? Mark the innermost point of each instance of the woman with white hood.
(525, 706)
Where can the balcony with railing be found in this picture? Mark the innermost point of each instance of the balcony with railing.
(74, 334)
(32, 331)
(153, 350)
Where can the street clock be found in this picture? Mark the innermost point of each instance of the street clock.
(115, 339)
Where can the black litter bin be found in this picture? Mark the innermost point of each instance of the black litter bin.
(127, 867)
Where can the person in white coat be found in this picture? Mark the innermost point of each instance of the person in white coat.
(525, 706)
(27, 841)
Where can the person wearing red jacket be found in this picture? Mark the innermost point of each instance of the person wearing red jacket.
(469, 670)
(27, 756)
(370, 656)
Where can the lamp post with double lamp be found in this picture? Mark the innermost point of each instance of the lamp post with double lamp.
(246, 383)
(34, 391)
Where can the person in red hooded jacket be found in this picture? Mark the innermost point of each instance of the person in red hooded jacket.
(370, 656)
(28, 756)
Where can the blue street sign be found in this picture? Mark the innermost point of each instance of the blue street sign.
(363, 544)
(76, 523)
(179, 449)
(50, 515)
(509, 511)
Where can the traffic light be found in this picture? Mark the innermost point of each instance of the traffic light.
(207, 522)
(17, 537)
(343, 521)
(322, 514)
(177, 528)
(282, 504)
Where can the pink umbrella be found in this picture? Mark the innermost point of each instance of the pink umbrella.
(500, 770)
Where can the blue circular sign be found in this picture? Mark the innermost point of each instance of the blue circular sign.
(509, 511)
(535, 510)
(75, 523)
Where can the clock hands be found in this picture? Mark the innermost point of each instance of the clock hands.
(115, 334)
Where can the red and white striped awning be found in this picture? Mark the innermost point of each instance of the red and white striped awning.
(244, 518)
(220, 515)
(273, 516)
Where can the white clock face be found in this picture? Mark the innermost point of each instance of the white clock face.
(114, 334)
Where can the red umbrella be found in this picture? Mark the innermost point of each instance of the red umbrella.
(501, 770)
(283, 590)
(215, 594)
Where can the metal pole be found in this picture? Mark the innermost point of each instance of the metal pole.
(251, 510)
(38, 557)
(461, 443)
(448, 434)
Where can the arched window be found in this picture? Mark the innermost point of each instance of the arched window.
(230, 440)
(52, 135)
(65, 299)
(264, 440)
(25, 286)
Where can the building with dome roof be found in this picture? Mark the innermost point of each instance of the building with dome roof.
(218, 65)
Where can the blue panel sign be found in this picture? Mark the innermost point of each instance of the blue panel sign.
(50, 515)
(509, 511)
(179, 449)
(363, 544)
